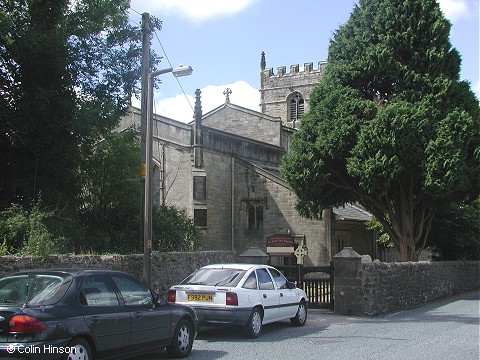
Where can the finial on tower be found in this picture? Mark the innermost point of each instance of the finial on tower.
(263, 63)
(227, 93)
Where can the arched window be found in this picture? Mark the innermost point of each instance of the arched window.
(296, 107)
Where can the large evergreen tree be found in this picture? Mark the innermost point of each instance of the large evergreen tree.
(390, 125)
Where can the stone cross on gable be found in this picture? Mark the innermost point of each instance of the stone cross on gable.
(227, 93)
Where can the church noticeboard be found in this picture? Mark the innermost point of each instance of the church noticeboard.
(280, 245)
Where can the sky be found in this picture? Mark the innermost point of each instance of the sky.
(222, 40)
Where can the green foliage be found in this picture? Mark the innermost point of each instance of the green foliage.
(390, 125)
(68, 70)
(26, 231)
(111, 197)
(111, 204)
(4, 248)
(383, 238)
(455, 232)
(174, 230)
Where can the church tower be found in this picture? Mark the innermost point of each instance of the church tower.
(286, 95)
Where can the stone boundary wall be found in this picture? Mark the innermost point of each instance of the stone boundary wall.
(363, 287)
(167, 268)
(389, 287)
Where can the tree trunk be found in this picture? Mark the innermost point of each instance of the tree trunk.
(407, 252)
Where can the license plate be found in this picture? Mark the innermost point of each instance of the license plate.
(199, 297)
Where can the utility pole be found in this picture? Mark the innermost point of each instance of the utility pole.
(143, 137)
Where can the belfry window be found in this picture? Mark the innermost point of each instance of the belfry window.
(297, 107)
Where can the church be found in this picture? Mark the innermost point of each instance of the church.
(223, 168)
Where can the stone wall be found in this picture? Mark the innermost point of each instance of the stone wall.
(243, 122)
(168, 268)
(376, 288)
(389, 287)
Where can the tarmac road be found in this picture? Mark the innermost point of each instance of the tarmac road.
(448, 329)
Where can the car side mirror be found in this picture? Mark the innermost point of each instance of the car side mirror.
(160, 301)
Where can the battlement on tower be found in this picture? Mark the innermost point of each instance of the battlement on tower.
(295, 70)
(277, 90)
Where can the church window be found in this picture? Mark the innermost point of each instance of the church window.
(255, 215)
(200, 217)
(297, 107)
(199, 188)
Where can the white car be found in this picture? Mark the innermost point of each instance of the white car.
(249, 295)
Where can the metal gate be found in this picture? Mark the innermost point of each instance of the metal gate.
(317, 282)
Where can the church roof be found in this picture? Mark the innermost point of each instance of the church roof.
(351, 212)
(241, 109)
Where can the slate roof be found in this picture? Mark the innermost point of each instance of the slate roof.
(351, 212)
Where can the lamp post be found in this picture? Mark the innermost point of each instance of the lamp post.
(147, 224)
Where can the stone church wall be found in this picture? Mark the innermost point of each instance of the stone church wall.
(245, 123)
(226, 143)
(219, 210)
(177, 174)
(360, 238)
(280, 216)
(284, 219)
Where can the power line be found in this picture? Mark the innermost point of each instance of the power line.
(169, 63)
(134, 10)
(166, 57)
(133, 21)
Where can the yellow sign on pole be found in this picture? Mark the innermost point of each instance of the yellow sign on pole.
(143, 170)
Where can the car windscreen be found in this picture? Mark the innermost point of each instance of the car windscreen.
(31, 289)
(215, 277)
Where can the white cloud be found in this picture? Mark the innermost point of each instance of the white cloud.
(242, 94)
(181, 109)
(476, 89)
(454, 10)
(193, 9)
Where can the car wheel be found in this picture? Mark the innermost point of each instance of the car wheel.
(253, 327)
(301, 316)
(79, 349)
(181, 345)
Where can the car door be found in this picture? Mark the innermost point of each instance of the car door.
(268, 295)
(287, 297)
(150, 327)
(106, 318)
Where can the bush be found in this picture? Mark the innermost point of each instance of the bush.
(174, 230)
(25, 231)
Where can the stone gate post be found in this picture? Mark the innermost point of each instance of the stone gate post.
(347, 265)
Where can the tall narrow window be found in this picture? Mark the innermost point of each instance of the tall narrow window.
(297, 107)
(255, 215)
(199, 188)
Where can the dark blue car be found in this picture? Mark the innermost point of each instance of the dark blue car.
(88, 314)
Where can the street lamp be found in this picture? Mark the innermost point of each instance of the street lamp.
(179, 71)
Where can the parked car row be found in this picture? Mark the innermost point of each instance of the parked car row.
(74, 314)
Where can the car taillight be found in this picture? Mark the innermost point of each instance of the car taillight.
(25, 324)
(172, 295)
(231, 299)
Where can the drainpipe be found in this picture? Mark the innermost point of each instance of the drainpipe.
(233, 202)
